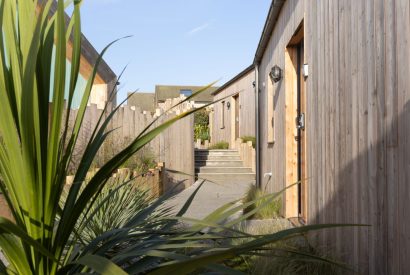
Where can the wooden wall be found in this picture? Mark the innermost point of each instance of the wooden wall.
(358, 124)
(174, 146)
(243, 86)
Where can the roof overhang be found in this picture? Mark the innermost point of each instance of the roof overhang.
(233, 80)
(270, 24)
(88, 52)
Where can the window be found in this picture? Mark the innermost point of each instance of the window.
(185, 92)
(271, 112)
(222, 116)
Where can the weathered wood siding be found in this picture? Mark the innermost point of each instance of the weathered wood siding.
(243, 86)
(358, 124)
(174, 146)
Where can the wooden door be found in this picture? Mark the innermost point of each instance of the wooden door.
(295, 132)
(236, 98)
(301, 134)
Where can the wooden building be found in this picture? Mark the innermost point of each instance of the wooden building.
(233, 115)
(151, 101)
(334, 112)
(164, 92)
(143, 101)
(105, 82)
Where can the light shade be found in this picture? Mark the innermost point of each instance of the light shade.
(276, 73)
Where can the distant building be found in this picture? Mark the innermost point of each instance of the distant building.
(144, 101)
(164, 92)
(150, 101)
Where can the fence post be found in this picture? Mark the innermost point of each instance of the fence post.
(161, 178)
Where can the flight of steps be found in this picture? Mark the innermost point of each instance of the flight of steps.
(221, 166)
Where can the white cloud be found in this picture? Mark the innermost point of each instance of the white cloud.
(199, 28)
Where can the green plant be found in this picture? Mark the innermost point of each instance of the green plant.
(295, 257)
(219, 146)
(268, 209)
(142, 161)
(201, 125)
(245, 139)
(36, 151)
(291, 256)
(37, 146)
(119, 200)
(201, 132)
(201, 117)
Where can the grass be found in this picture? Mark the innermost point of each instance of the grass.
(292, 256)
(219, 146)
(245, 139)
(267, 208)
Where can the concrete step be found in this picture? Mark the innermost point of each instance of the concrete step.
(227, 177)
(219, 163)
(216, 153)
(217, 157)
(223, 170)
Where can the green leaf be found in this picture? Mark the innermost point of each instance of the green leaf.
(101, 265)
(188, 266)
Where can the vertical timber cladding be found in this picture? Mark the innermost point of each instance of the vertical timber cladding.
(358, 113)
(240, 94)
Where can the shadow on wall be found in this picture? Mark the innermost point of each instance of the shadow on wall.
(176, 182)
(372, 188)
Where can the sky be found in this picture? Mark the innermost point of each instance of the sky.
(175, 42)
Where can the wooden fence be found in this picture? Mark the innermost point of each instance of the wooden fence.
(173, 147)
(247, 153)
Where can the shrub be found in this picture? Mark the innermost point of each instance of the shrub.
(201, 125)
(201, 132)
(268, 208)
(292, 256)
(220, 145)
(142, 161)
(201, 117)
(245, 139)
(119, 200)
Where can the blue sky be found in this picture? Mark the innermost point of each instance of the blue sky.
(175, 42)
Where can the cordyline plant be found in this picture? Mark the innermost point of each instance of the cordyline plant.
(37, 146)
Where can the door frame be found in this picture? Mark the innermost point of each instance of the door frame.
(235, 106)
(295, 100)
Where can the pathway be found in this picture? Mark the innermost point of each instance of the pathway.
(227, 181)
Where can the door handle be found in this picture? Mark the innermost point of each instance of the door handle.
(300, 121)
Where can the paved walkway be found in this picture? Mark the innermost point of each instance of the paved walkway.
(210, 197)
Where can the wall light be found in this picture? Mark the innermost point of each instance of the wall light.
(276, 73)
(228, 105)
(305, 70)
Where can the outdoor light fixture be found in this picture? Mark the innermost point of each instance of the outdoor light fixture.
(228, 105)
(276, 73)
(305, 70)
